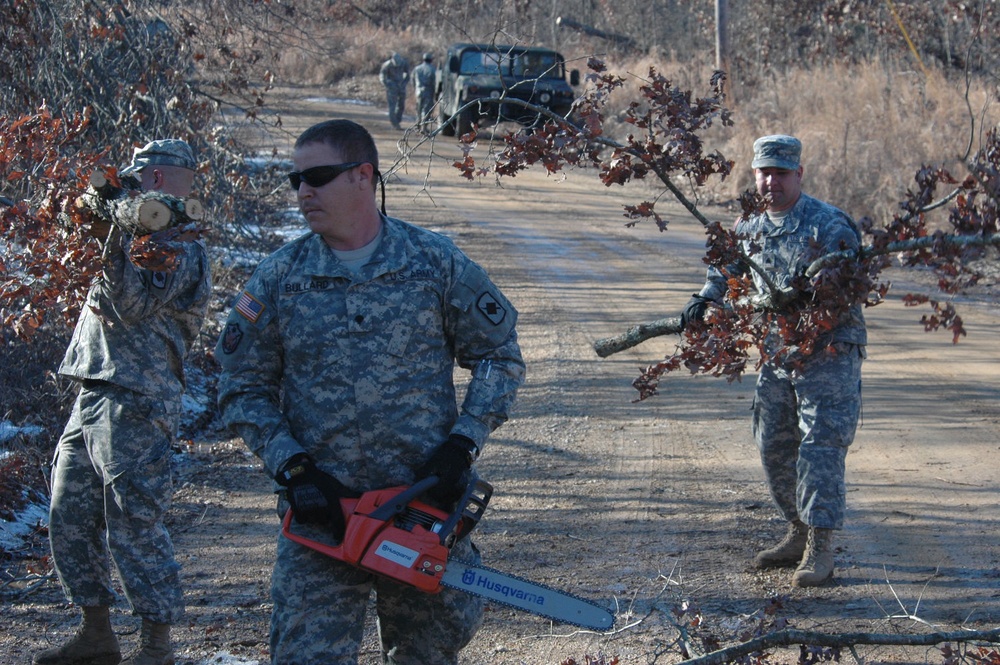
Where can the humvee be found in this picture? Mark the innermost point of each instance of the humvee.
(492, 75)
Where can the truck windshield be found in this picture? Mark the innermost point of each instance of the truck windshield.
(529, 64)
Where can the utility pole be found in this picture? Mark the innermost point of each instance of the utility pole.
(722, 35)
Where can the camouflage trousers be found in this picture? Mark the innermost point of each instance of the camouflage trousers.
(425, 107)
(320, 606)
(803, 423)
(395, 97)
(111, 487)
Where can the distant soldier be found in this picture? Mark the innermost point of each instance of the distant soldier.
(394, 75)
(424, 83)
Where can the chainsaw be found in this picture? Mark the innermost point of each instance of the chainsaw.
(391, 533)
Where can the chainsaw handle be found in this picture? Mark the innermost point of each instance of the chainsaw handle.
(468, 511)
(399, 502)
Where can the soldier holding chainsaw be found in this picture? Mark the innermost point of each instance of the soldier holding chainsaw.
(338, 362)
(111, 483)
(806, 406)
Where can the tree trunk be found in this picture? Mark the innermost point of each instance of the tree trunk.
(637, 334)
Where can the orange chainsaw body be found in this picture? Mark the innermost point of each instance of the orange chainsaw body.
(390, 533)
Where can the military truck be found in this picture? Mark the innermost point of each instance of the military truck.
(492, 75)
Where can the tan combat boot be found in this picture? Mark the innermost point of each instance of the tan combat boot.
(817, 563)
(789, 551)
(94, 643)
(154, 645)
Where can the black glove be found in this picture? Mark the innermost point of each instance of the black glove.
(313, 495)
(694, 310)
(450, 463)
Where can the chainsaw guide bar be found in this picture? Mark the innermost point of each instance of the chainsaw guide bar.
(521, 594)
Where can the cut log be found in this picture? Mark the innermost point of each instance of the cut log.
(153, 215)
(194, 209)
(136, 212)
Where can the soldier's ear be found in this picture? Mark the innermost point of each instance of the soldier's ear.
(366, 172)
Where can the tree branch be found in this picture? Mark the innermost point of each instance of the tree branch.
(791, 637)
(901, 246)
(663, 176)
(637, 334)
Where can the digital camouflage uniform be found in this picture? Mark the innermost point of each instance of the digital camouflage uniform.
(424, 83)
(804, 420)
(394, 75)
(356, 369)
(111, 482)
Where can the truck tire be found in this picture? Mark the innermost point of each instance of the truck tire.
(444, 120)
(464, 120)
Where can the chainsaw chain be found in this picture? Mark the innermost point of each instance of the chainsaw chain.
(504, 573)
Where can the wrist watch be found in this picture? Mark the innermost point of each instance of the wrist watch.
(295, 466)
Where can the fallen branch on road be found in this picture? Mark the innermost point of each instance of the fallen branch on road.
(791, 637)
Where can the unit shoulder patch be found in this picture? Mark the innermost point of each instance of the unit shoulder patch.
(491, 308)
(231, 338)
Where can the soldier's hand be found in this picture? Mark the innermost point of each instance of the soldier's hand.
(694, 310)
(313, 495)
(99, 229)
(450, 463)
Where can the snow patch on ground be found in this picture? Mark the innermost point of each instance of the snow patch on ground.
(8, 430)
(226, 658)
(12, 533)
(334, 100)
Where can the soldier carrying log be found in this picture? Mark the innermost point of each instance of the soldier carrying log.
(111, 482)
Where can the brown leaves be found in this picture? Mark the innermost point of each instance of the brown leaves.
(669, 145)
(50, 254)
(48, 260)
(158, 251)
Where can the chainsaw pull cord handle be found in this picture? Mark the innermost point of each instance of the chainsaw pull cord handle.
(389, 509)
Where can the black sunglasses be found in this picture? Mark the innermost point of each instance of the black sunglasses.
(318, 176)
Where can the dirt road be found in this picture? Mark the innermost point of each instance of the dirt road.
(647, 506)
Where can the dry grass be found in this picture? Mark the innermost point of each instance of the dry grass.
(866, 128)
(344, 54)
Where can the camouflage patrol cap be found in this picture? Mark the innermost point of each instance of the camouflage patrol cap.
(778, 151)
(428, 57)
(164, 152)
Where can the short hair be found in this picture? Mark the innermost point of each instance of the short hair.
(347, 137)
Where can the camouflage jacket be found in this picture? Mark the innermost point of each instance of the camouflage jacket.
(809, 230)
(394, 73)
(424, 78)
(357, 369)
(137, 325)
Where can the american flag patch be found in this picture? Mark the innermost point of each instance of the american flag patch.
(249, 307)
